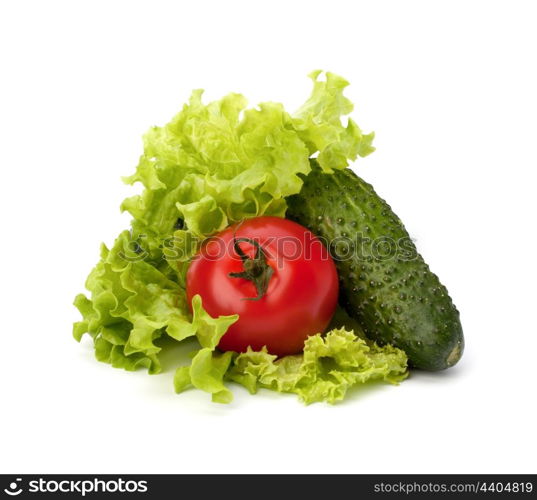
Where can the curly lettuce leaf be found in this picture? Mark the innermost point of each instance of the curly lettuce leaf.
(132, 304)
(318, 122)
(327, 369)
(206, 373)
(217, 163)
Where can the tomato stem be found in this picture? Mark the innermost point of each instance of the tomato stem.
(256, 269)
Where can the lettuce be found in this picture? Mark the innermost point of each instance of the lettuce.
(219, 163)
(318, 122)
(325, 371)
(211, 165)
(133, 304)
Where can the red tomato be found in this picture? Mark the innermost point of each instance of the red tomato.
(297, 285)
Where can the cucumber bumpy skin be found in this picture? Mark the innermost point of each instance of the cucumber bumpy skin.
(384, 283)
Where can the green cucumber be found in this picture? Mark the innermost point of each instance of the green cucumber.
(385, 284)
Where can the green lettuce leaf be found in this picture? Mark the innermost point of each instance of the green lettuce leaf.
(217, 163)
(318, 122)
(132, 304)
(206, 373)
(327, 369)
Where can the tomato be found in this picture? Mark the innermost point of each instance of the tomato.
(275, 274)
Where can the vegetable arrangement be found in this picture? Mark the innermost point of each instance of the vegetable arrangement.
(236, 240)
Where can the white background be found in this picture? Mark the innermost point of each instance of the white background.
(450, 89)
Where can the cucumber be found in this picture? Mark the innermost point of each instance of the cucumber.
(385, 285)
